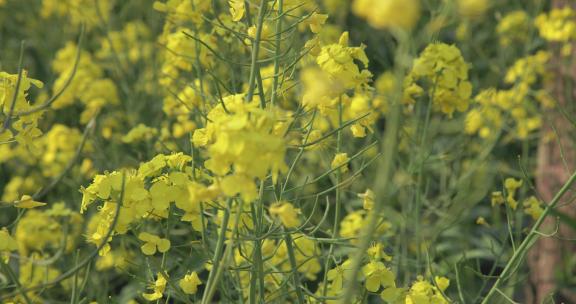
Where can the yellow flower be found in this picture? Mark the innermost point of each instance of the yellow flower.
(368, 199)
(338, 60)
(532, 207)
(190, 282)
(158, 288)
(511, 186)
(376, 252)
(393, 294)
(444, 68)
(26, 202)
(139, 133)
(383, 14)
(442, 282)
(237, 9)
(340, 162)
(337, 275)
(351, 224)
(377, 275)
(7, 244)
(472, 8)
(287, 213)
(481, 221)
(316, 21)
(153, 243)
(265, 34)
(425, 292)
(513, 27)
(558, 25)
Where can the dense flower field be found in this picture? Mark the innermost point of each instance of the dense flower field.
(287, 151)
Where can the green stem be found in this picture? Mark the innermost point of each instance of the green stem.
(217, 253)
(277, 52)
(530, 239)
(382, 180)
(294, 266)
(420, 179)
(327, 265)
(255, 49)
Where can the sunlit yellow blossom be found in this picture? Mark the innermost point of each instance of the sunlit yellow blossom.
(352, 224)
(158, 288)
(425, 292)
(7, 244)
(444, 68)
(497, 198)
(338, 61)
(243, 137)
(511, 186)
(513, 27)
(340, 162)
(377, 275)
(237, 9)
(139, 133)
(532, 206)
(384, 14)
(287, 213)
(43, 231)
(481, 221)
(27, 202)
(368, 199)
(190, 282)
(23, 129)
(316, 21)
(338, 274)
(472, 8)
(153, 243)
(78, 11)
(558, 25)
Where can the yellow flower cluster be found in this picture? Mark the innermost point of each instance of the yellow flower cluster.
(59, 147)
(383, 14)
(89, 84)
(171, 183)
(243, 142)
(519, 102)
(249, 146)
(446, 72)
(351, 225)
(7, 244)
(287, 214)
(40, 236)
(335, 73)
(558, 25)
(472, 8)
(24, 129)
(89, 12)
(513, 28)
(141, 132)
(129, 45)
(532, 206)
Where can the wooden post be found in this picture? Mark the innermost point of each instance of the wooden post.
(556, 162)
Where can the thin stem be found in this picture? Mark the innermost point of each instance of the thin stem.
(530, 239)
(294, 266)
(382, 182)
(254, 66)
(338, 203)
(277, 53)
(6, 124)
(217, 254)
